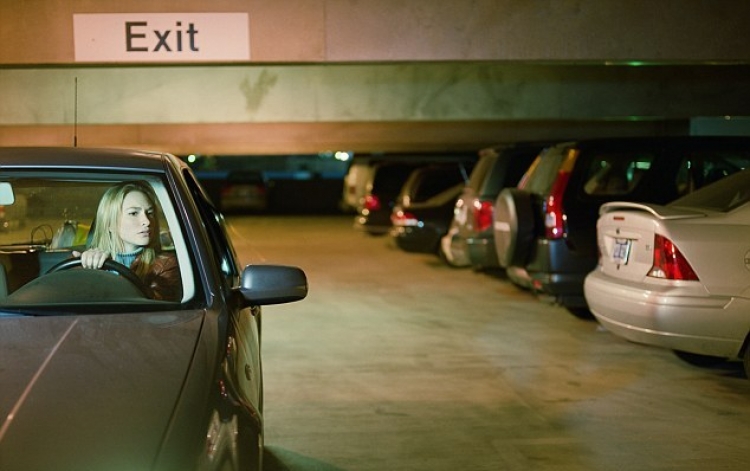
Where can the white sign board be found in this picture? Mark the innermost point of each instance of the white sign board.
(161, 37)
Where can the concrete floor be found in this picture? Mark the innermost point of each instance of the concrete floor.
(397, 362)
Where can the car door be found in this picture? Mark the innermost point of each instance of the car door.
(243, 337)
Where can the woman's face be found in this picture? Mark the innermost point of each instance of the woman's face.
(136, 222)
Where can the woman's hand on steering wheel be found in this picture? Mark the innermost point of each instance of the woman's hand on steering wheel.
(92, 258)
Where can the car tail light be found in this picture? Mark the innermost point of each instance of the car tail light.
(554, 213)
(669, 263)
(404, 218)
(372, 203)
(483, 214)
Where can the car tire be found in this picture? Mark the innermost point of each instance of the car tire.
(696, 359)
(514, 227)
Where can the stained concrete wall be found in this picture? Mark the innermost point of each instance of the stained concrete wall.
(383, 75)
(41, 31)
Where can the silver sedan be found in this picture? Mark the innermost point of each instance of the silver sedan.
(678, 276)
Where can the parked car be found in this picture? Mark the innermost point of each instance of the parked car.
(386, 181)
(356, 178)
(96, 374)
(678, 276)
(390, 172)
(545, 229)
(244, 191)
(424, 208)
(420, 226)
(470, 239)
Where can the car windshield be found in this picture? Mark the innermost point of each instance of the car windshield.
(48, 218)
(724, 195)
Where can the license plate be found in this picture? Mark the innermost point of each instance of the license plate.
(621, 251)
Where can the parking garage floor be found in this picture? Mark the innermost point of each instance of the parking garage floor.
(398, 362)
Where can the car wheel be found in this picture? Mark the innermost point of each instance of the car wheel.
(696, 359)
(514, 227)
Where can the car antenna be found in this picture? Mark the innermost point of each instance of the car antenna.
(75, 113)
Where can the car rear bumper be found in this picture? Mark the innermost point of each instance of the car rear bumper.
(453, 249)
(669, 316)
(557, 272)
(481, 251)
(414, 239)
(372, 225)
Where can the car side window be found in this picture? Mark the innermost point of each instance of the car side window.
(616, 174)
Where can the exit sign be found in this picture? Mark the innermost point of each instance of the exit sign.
(161, 37)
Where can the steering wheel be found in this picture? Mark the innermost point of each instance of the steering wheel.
(110, 265)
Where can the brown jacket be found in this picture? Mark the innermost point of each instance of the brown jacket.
(163, 277)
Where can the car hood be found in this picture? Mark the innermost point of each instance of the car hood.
(91, 392)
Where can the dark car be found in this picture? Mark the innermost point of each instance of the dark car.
(545, 229)
(386, 180)
(470, 240)
(424, 208)
(97, 373)
(244, 191)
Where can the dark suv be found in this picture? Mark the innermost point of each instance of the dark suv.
(469, 241)
(424, 208)
(545, 229)
(374, 212)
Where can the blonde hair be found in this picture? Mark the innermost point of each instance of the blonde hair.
(109, 214)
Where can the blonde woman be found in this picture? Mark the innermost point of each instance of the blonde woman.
(127, 231)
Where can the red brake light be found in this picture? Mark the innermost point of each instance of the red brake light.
(483, 214)
(403, 218)
(554, 213)
(669, 263)
(372, 203)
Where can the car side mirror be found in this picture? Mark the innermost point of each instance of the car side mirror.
(272, 284)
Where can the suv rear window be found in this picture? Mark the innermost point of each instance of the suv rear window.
(543, 171)
(389, 178)
(482, 169)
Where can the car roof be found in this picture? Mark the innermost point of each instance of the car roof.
(83, 158)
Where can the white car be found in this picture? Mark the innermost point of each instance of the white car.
(678, 276)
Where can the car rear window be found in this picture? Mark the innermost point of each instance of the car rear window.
(426, 183)
(389, 178)
(701, 167)
(616, 173)
(725, 195)
(482, 169)
(543, 171)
